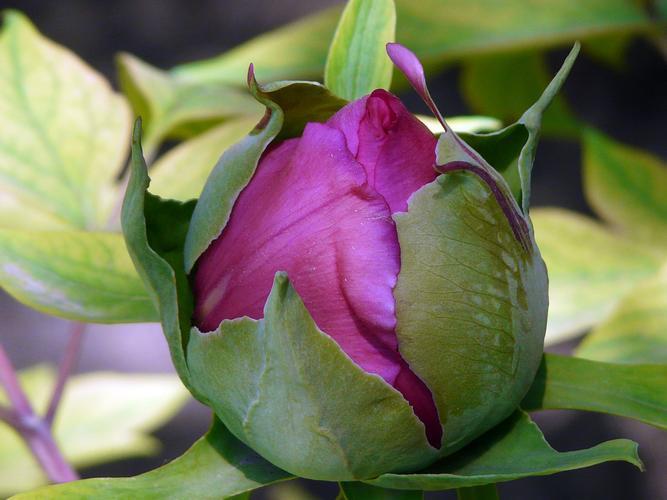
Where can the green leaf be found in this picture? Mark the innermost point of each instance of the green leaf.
(357, 62)
(636, 332)
(243, 366)
(217, 466)
(485, 309)
(63, 140)
(63, 134)
(102, 417)
(436, 30)
(289, 106)
(363, 491)
(590, 269)
(633, 391)
(172, 107)
(181, 173)
(627, 187)
(463, 124)
(80, 275)
(502, 85)
(485, 492)
(512, 450)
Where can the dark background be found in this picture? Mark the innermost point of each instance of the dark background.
(630, 105)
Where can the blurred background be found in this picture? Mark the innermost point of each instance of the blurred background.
(627, 102)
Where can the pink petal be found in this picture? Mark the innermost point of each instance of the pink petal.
(396, 150)
(308, 211)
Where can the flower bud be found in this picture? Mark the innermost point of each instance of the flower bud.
(359, 312)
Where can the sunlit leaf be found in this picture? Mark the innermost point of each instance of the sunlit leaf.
(173, 107)
(512, 450)
(82, 275)
(180, 174)
(357, 62)
(63, 134)
(636, 332)
(590, 269)
(627, 187)
(437, 30)
(102, 417)
(463, 124)
(633, 391)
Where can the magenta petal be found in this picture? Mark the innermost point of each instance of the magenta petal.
(309, 212)
(396, 150)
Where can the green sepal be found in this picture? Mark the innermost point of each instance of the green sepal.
(243, 368)
(512, 450)
(512, 150)
(154, 231)
(289, 106)
(216, 466)
(468, 293)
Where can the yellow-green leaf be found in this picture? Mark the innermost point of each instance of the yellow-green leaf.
(102, 417)
(627, 187)
(81, 275)
(636, 332)
(63, 134)
(182, 172)
(357, 62)
(590, 269)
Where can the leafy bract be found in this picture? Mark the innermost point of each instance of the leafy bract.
(633, 391)
(217, 466)
(282, 372)
(357, 62)
(63, 140)
(590, 269)
(503, 85)
(636, 332)
(102, 417)
(627, 187)
(512, 450)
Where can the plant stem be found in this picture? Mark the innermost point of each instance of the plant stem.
(66, 366)
(34, 430)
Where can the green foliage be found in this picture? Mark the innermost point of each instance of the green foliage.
(217, 466)
(512, 450)
(64, 138)
(357, 62)
(634, 391)
(102, 417)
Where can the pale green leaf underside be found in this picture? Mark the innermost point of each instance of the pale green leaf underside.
(514, 449)
(627, 187)
(636, 332)
(436, 30)
(217, 466)
(63, 134)
(357, 62)
(590, 269)
(102, 417)
(633, 391)
(80, 275)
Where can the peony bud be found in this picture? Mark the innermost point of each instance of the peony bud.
(415, 310)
